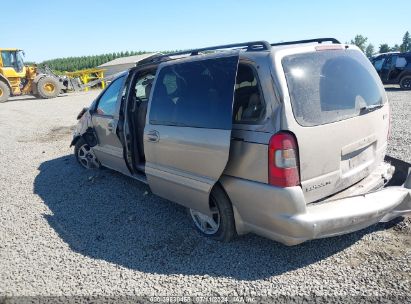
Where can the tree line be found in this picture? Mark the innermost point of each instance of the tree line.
(369, 49)
(71, 64)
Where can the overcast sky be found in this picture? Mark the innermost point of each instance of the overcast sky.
(48, 29)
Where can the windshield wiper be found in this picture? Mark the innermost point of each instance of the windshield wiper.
(370, 108)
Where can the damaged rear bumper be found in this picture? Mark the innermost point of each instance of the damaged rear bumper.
(349, 214)
(282, 214)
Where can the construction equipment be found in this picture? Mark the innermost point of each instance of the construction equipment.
(96, 76)
(18, 79)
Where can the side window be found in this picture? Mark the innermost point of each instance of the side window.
(143, 87)
(401, 62)
(248, 99)
(195, 94)
(387, 63)
(394, 61)
(378, 64)
(107, 102)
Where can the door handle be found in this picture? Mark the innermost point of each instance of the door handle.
(110, 126)
(153, 136)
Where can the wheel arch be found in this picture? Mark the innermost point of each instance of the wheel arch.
(404, 74)
(38, 77)
(89, 136)
(75, 140)
(238, 220)
(6, 81)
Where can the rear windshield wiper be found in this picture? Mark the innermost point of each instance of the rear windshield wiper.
(370, 108)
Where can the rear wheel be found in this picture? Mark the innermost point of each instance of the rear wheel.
(48, 87)
(220, 225)
(4, 91)
(405, 83)
(85, 155)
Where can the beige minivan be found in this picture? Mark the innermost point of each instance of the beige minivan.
(283, 140)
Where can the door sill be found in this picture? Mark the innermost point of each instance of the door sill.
(141, 167)
(140, 176)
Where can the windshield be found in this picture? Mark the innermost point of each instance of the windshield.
(329, 86)
(13, 59)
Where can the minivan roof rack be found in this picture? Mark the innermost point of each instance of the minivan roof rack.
(249, 46)
(317, 40)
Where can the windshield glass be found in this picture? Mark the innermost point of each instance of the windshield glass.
(8, 58)
(328, 86)
(13, 59)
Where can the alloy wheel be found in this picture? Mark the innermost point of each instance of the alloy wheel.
(207, 224)
(407, 83)
(87, 158)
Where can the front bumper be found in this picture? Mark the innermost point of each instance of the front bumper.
(282, 214)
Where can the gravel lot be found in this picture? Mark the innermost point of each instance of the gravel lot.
(68, 231)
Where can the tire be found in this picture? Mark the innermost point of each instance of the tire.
(405, 82)
(34, 90)
(48, 87)
(219, 202)
(85, 155)
(4, 91)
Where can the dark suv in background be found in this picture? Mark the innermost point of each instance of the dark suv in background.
(394, 68)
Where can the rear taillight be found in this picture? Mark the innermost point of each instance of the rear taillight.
(283, 164)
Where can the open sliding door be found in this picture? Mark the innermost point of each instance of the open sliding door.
(188, 128)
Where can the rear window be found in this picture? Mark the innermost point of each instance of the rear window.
(329, 86)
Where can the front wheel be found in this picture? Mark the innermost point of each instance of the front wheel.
(220, 225)
(48, 87)
(4, 91)
(405, 83)
(85, 155)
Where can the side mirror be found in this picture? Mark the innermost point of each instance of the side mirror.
(84, 110)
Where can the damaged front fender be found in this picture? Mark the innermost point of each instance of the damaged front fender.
(84, 129)
(90, 137)
(75, 140)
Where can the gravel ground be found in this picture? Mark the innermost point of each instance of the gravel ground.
(400, 137)
(65, 231)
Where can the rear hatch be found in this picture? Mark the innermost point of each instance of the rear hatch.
(337, 108)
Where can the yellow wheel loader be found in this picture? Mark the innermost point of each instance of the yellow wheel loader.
(18, 79)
